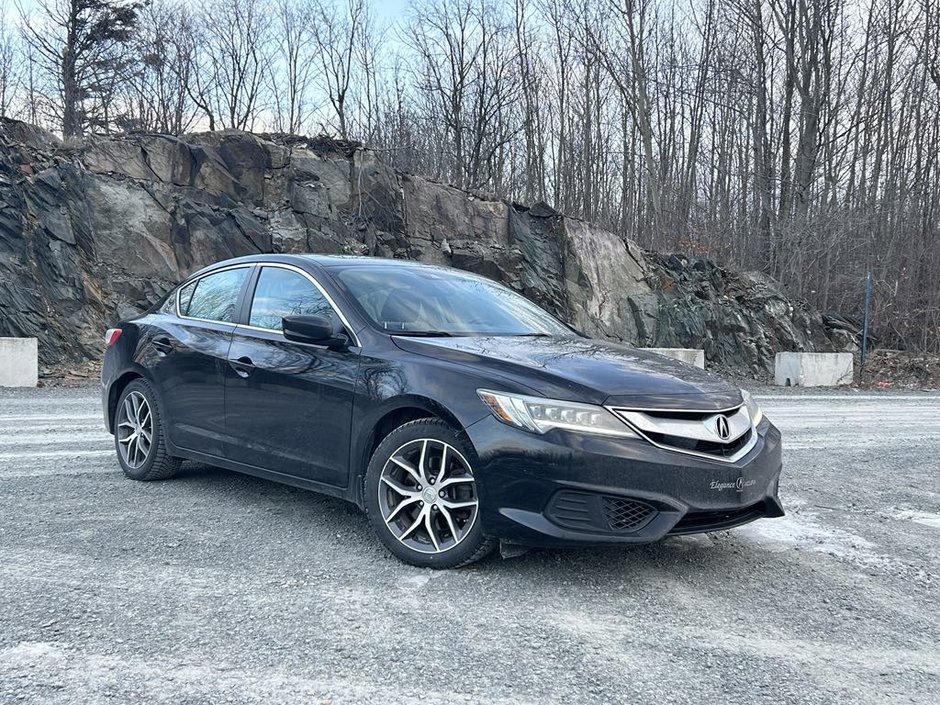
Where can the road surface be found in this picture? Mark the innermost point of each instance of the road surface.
(220, 588)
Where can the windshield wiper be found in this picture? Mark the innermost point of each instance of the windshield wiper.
(423, 333)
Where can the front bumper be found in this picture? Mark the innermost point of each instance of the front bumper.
(563, 489)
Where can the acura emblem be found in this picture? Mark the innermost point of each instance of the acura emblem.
(722, 427)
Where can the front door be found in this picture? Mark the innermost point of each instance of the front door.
(288, 405)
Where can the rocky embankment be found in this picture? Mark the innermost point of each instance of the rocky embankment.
(101, 230)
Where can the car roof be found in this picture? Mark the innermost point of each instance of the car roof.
(361, 261)
(327, 261)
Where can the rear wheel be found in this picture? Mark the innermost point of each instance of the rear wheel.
(138, 435)
(421, 497)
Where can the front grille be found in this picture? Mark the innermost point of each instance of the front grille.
(626, 514)
(585, 511)
(694, 432)
(722, 450)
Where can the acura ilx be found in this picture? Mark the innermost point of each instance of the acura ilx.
(455, 412)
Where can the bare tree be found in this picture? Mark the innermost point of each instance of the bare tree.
(10, 65)
(369, 56)
(531, 70)
(158, 96)
(627, 66)
(291, 75)
(465, 77)
(230, 52)
(337, 31)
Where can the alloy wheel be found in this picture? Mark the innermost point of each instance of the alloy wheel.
(135, 430)
(428, 496)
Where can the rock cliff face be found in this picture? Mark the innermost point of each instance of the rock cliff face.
(94, 232)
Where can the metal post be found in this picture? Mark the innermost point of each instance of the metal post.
(865, 323)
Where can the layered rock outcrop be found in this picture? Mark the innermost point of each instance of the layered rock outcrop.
(100, 230)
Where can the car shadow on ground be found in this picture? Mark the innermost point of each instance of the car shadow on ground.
(320, 518)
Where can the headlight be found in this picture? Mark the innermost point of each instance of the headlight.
(541, 415)
(753, 410)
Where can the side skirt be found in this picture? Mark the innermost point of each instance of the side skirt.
(280, 477)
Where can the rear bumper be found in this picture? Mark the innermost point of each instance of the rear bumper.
(566, 489)
(108, 375)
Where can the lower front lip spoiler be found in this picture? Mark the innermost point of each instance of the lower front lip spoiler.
(666, 523)
(703, 522)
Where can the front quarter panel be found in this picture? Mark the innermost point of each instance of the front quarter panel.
(397, 380)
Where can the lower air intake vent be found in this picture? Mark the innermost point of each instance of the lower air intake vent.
(599, 513)
(626, 514)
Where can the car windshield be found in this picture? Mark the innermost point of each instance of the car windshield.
(429, 301)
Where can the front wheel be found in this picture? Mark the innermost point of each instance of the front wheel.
(421, 497)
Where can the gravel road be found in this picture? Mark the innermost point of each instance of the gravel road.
(218, 588)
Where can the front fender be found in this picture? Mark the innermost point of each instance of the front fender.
(401, 383)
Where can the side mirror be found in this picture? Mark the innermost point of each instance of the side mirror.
(315, 330)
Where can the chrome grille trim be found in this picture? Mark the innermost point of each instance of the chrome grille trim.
(683, 425)
(676, 423)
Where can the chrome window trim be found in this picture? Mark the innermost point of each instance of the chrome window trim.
(747, 448)
(248, 265)
(179, 290)
(312, 280)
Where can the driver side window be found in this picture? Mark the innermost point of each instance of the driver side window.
(282, 292)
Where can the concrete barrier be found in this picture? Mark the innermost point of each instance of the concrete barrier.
(19, 362)
(687, 355)
(813, 369)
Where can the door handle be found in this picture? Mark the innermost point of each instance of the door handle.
(243, 366)
(163, 345)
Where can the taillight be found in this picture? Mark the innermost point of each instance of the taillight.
(110, 338)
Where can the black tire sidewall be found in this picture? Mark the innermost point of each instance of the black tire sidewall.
(467, 550)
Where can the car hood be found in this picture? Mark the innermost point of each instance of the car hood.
(581, 369)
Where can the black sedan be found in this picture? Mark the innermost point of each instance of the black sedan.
(454, 411)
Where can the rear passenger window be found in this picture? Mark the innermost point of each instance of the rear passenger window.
(213, 297)
(281, 292)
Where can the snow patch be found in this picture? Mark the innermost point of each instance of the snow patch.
(926, 518)
(30, 653)
(418, 581)
(801, 529)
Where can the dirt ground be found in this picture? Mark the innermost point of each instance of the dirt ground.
(220, 588)
(890, 369)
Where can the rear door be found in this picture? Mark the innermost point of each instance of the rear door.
(191, 358)
(288, 405)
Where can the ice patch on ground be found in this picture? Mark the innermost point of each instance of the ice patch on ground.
(30, 653)
(413, 582)
(926, 518)
(802, 529)
(691, 542)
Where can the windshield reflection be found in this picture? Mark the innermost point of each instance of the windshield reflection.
(429, 301)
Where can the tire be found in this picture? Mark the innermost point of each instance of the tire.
(424, 516)
(138, 413)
